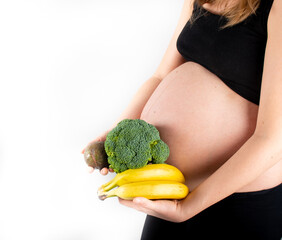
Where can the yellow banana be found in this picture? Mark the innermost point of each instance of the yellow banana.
(151, 172)
(148, 189)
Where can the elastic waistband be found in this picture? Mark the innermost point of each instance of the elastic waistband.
(273, 190)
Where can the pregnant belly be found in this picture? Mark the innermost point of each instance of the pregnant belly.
(203, 121)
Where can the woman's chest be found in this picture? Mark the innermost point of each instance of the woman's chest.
(235, 53)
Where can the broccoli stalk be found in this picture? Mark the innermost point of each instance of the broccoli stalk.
(133, 143)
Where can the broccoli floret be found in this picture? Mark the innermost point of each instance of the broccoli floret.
(133, 143)
(160, 152)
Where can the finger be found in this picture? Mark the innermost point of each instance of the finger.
(145, 203)
(140, 204)
(104, 171)
(137, 202)
(90, 169)
(128, 203)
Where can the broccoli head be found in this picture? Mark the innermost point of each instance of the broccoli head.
(133, 143)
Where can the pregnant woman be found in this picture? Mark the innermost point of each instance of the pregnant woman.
(216, 99)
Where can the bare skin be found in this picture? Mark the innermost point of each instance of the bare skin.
(204, 123)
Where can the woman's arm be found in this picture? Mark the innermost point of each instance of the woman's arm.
(255, 157)
(171, 60)
(262, 151)
(136, 105)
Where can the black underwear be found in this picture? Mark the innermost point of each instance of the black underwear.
(234, 54)
(241, 216)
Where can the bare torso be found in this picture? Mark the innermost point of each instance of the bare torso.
(204, 123)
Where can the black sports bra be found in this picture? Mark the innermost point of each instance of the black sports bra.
(235, 54)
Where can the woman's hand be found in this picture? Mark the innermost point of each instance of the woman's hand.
(170, 210)
(101, 138)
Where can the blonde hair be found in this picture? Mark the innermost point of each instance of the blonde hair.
(235, 13)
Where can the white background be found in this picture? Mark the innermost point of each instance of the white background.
(68, 68)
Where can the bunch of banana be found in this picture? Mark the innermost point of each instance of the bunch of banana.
(154, 181)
